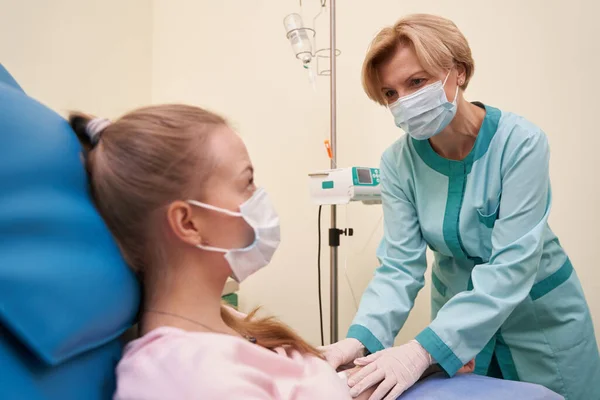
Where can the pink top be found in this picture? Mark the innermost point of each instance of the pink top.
(170, 363)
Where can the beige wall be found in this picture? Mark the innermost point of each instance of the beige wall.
(91, 55)
(537, 58)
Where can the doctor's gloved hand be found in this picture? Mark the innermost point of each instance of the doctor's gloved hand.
(395, 369)
(343, 352)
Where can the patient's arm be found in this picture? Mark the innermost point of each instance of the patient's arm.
(367, 393)
(435, 368)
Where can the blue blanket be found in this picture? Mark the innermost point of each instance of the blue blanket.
(469, 386)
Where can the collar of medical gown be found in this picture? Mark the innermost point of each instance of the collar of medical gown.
(482, 143)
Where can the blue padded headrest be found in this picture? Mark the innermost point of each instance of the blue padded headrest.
(7, 79)
(64, 288)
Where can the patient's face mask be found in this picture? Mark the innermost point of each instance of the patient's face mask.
(426, 112)
(260, 215)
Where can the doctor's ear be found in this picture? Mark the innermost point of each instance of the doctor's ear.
(461, 76)
(183, 224)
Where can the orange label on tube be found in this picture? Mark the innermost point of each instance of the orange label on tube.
(328, 147)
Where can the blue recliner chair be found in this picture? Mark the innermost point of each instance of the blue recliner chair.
(66, 294)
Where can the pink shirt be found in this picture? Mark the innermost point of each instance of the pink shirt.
(169, 363)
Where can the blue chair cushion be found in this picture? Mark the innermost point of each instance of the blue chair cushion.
(64, 287)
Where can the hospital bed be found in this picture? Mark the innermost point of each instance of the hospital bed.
(66, 295)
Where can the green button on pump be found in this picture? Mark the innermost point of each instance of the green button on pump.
(327, 185)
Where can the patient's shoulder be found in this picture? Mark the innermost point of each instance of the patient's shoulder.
(167, 343)
(172, 363)
(176, 349)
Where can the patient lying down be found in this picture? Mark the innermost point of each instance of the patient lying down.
(175, 185)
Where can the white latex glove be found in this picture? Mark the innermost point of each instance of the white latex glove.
(343, 352)
(397, 368)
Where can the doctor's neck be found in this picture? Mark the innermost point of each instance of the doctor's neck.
(456, 141)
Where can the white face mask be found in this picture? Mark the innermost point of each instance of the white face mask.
(426, 112)
(259, 213)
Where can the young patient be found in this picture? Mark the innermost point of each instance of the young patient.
(176, 187)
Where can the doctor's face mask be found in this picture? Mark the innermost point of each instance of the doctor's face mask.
(423, 101)
(426, 112)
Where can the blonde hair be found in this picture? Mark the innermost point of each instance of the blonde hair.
(145, 160)
(437, 41)
(141, 163)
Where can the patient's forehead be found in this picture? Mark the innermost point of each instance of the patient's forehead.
(229, 152)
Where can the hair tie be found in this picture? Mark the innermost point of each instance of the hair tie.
(95, 127)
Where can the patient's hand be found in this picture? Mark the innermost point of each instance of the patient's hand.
(367, 393)
(435, 368)
(469, 368)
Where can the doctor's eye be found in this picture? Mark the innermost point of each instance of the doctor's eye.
(390, 95)
(417, 82)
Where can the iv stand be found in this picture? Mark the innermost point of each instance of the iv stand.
(334, 232)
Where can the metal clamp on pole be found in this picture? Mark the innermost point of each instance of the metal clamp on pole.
(334, 235)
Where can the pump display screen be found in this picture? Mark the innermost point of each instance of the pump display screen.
(364, 176)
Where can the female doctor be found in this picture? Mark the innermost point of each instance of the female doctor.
(471, 182)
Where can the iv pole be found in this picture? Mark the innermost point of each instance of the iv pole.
(334, 233)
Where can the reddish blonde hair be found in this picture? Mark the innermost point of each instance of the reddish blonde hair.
(145, 160)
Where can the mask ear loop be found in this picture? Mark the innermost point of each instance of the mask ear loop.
(447, 76)
(217, 209)
(457, 86)
(225, 251)
(456, 95)
(211, 248)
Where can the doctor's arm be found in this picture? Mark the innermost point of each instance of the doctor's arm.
(470, 319)
(390, 296)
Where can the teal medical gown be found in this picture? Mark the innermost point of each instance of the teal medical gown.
(503, 289)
